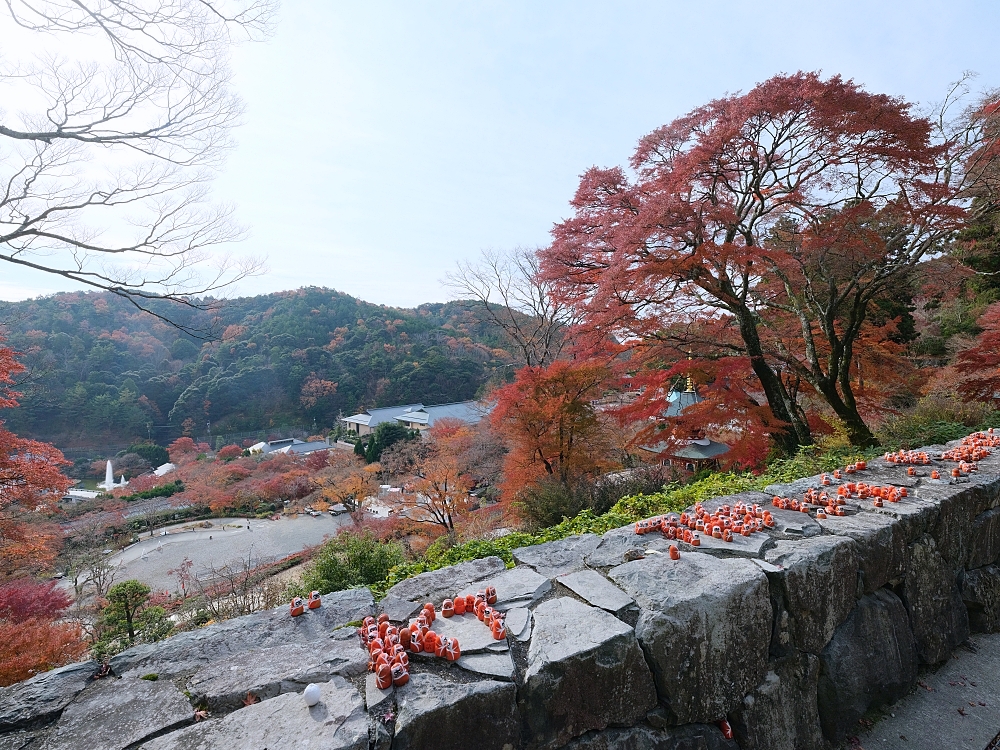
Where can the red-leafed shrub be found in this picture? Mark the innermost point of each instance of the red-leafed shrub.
(229, 453)
(24, 599)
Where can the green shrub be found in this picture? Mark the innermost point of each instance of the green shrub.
(164, 490)
(350, 560)
(935, 420)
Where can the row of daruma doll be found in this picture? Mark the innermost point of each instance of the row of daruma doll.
(388, 645)
(742, 518)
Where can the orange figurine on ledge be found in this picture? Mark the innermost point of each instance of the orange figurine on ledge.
(297, 607)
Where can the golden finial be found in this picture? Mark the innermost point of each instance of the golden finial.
(690, 381)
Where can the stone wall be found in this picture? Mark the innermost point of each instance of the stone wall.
(790, 636)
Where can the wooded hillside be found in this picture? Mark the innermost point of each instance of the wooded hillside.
(102, 372)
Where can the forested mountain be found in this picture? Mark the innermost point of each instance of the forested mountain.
(103, 372)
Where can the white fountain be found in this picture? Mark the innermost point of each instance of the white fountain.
(109, 478)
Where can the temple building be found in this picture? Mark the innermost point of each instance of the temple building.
(699, 452)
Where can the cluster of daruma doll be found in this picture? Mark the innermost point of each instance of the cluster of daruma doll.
(742, 518)
(300, 605)
(389, 647)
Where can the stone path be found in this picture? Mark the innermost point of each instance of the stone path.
(959, 711)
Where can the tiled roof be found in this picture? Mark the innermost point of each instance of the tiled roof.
(373, 417)
(469, 412)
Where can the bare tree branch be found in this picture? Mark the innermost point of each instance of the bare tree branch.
(104, 172)
(518, 301)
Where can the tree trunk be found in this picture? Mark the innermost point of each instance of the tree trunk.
(857, 431)
(796, 433)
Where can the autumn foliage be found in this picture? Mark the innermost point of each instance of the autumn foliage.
(31, 638)
(31, 482)
(766, 228)
(550, 424)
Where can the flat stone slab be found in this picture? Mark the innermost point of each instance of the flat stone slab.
(557, 558)
(113, 714)
(704, 625)
(615, 543)
(189, 651)
(337, 722)
(473, 636)
(489, 664)
(41, 698)
(436, 586)
(272, 671)
(741, 546)
(596, 590)
(375, 697)
(515, 587)
(518, 620)
(585, 672)
(790, 524)
(435, 713)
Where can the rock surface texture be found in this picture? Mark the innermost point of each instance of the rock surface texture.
(704, 624)
(585, 671)
(784, 639)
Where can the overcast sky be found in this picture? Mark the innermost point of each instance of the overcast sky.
(385, 141)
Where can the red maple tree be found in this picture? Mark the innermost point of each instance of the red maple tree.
(31, 482)
(551, 427)
(765, 226)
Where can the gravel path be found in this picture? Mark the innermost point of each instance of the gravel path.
(226, 541)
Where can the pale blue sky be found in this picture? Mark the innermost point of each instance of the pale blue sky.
(384, 141)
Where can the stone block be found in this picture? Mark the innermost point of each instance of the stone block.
(938, 619)
(557, 558)
(490, 664)
(819, 580)
(517, 587)
(959, 506)
(40, 700)
(435, 713)
(984, 545)
(337, 722)
(376, 698)
(881, 546)
(705, 626)
(518, 623)
(688, 737)
(473, 636)
(186, 652)
(585, 671)
(596, 590)
(871, 660)
(114, 714)
(781, 714)
(615, 543)
(406, 597)
(269, 672)
(981, 593)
